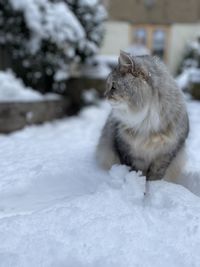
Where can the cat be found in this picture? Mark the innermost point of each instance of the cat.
(148, 123)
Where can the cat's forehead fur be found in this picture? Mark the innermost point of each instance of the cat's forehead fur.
(147, 67)
(136, 64)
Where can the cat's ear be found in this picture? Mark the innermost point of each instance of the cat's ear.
(126, 62)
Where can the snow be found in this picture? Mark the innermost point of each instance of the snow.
(183, 79)
(97, 70)
(111, 60)
(88, 2)
(57, 208)
(90, 96)
(195, 76)
(195, 45)
(138, 50)
(97, 67)
(12, 89)
(189, 75)
(55, 22)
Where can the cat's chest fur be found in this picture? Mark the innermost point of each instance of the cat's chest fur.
(144, 133)
(142, 148)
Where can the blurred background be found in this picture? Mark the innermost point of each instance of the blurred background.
(55, 55)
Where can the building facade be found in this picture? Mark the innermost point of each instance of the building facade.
(163, 26)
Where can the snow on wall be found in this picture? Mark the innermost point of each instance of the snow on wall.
(13, 89)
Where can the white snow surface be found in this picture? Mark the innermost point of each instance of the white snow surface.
(12, 89)
(57, 208)
(89, 2)
(138, 50)
(101, 70)
(188, 76)
(98, 66)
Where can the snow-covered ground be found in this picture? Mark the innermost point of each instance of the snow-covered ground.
(58, 209)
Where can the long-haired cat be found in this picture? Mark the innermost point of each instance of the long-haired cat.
(148, 124)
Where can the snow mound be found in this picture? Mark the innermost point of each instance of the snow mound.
(57, 208)
(133, 185)
(13, 89)
(108, 229)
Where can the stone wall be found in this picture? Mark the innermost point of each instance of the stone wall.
(15, 116)
(76, 88)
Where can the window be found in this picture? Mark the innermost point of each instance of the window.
(158, 43)
(140, 36)
(153, 37)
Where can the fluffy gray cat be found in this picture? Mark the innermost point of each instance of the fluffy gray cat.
(148, 124)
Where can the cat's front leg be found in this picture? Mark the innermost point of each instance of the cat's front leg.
(157, 169)
(106, 154)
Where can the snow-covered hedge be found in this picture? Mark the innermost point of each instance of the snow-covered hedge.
(44, 37)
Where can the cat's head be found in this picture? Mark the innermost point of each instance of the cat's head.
(130, 85)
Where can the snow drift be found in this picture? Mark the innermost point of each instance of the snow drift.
(57, 208)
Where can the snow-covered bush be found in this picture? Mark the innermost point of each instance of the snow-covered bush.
(45, 37)
(91, 15)
(191, 57)
(190, 67)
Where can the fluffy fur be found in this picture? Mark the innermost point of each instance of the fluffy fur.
(148, 124)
